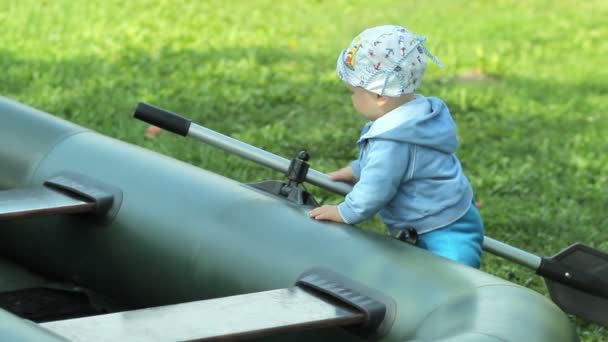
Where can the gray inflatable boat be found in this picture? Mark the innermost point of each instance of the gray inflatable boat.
(103, 240)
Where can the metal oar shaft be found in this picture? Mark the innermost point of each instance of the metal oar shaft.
(320, 179)
(315, 177)
(179, 125)
(511, 253)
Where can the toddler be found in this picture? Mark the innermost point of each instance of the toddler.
(407, 170)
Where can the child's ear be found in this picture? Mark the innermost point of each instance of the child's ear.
(381, 100)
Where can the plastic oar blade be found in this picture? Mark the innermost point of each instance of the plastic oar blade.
(590, 306)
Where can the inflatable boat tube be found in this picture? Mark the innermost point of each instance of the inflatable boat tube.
(182, 234)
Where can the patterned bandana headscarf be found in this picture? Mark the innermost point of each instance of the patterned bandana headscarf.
(387, 60)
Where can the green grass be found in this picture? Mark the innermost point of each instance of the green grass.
(533, 126)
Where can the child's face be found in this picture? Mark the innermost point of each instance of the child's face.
(365, 102)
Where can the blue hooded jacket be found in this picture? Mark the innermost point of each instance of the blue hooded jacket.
(407, 170)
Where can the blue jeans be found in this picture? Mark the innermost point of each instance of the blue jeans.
(460, 241)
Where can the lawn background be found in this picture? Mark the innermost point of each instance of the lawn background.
(526, 82)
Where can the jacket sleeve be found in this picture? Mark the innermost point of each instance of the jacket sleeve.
(355, 165)
(386, 168)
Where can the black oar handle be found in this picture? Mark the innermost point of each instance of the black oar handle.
(579, 279)
(162, 118)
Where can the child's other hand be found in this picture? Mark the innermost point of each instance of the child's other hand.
(326, 213)
(152, 131)
(345, 174)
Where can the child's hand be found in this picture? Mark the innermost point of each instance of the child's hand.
(345, 174)
(152, 131)
(326, 213)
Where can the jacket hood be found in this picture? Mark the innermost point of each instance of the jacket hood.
(424, 121)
